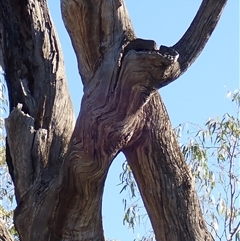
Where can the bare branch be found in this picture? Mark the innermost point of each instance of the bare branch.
(95, 28)
(193, 41)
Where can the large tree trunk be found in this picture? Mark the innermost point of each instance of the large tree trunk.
(59, 171)
(164, 180)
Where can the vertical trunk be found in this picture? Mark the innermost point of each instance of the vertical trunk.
(164, 180)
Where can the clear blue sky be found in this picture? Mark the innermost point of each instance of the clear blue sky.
(198, 94)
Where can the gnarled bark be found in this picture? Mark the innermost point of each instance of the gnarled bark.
(164, 180)
(58, 172)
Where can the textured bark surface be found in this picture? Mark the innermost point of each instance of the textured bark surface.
(164, 180)
(59, 170)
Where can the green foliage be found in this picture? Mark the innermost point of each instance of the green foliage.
(128, 182)
(133, 208)
(148, 237)
(213, 155)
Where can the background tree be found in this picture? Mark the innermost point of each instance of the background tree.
(213, 155)
(56, 163)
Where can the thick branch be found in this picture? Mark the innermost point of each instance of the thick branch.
(188, 48)
(35, 77)
(164, 180)
(96, 28)
(153, 153)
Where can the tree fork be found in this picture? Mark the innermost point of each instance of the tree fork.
(59, 180)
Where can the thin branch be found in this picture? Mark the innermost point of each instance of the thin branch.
(193, 41)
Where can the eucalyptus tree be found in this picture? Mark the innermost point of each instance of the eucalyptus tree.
(59, 166)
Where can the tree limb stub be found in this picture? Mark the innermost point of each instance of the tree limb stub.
(188, 48)
(35, 74)
(21, 127)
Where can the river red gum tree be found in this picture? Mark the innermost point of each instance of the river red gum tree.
(58, 166)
